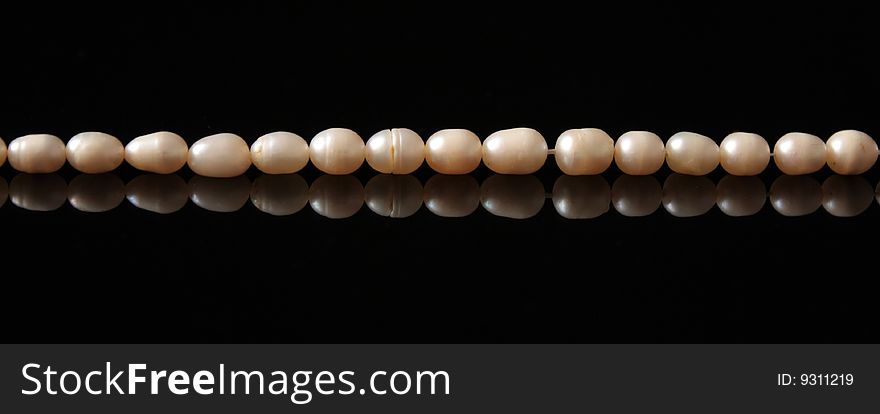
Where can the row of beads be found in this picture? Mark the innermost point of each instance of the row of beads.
(340, 151)
(341, 196)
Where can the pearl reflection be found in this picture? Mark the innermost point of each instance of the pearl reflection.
(38, 192)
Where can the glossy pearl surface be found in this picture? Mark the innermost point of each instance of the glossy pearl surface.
(395, 196)
(851, 152)
(336, 196)
(281, 194)
(37, 154)
(95, 193)
(797, 153)
(515, 151)
(744, 154)
(2, 152)
(395, 151)
(639, 153)
(585, 151)
(453, 151)
(158, 193)
(452, 195)
(95, 152)
(636, 196)
(337, 151)
(691, 153)
(280, 153)
(221, 195)
(160, 152)
(219, 156)
(581, 197)
(740, 196)
(846, 196)
(688, 195)
(795, 195)
(38, 192)
(512, 196)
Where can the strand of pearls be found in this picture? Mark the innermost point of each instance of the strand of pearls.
(340, 151)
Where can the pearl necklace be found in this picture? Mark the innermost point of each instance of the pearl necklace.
(340, 151)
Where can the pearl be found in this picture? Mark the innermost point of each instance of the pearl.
(691, 153)
(851, 152)
(160, 152)
(95, 193)
(280, 195)
(581, 197)
(95, 152)
(688, 195)
(280, 153)
(636, 196)
(740, 196)
(40, 192)
(512, 196)
(639, 153)
(453, 151)
(158, 193)
(219, 156)
(797, 153)
(452, 195)
(515, 151)
(395, 151)
(336, 196)
(586, 151)
(795, 195)
(395, 196)
(337, 151)
(744, 153)
(37, 154)
(2, 151)
(221, 195)
(846, 196)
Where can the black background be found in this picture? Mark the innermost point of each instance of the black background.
(197, 276)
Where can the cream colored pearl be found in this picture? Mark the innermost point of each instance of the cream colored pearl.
(219, 156)
(336, 196)
(795, 195)
(38, 192)
(740, 196)
(95, 193)
(395, 151)
(95, 152)
(221, 195)
(37, 154)
(851, 152)
(512, 196)
(581, 197)
(280, 195)
(280, 153)
(452, 195)
(639, 153)
(636, 196)
(453, 151)
(515, 151)
(159, 193)
(160, 152)
(585, 151)
(691, 153)
(846, 196)
(797, 153)
(743, 153)
(2, 151)
(337, 151)
(688, 195)
(395, 196)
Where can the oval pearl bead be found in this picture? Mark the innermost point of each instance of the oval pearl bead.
(688, 195)
(95, 152)
(795, 195)
(636, 196)
(797, 153)
(160, 152)
(517, 197)
(337, 151)
(453, 151)
(95, 193)
(452, 195)
(280, 195)
(40, 192)
(395, 151)
(846, 196)
(221, 195)
(393, 196)
(515, 151)
(37, 154)
(2, 152)
(851, 152)
(336, 196)
(219, 156)
(585, 151)
(280, 153)
(639, 153)
(740, 196)
(581, 197)
(743, 153)
(163, 194)
(691, 153)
